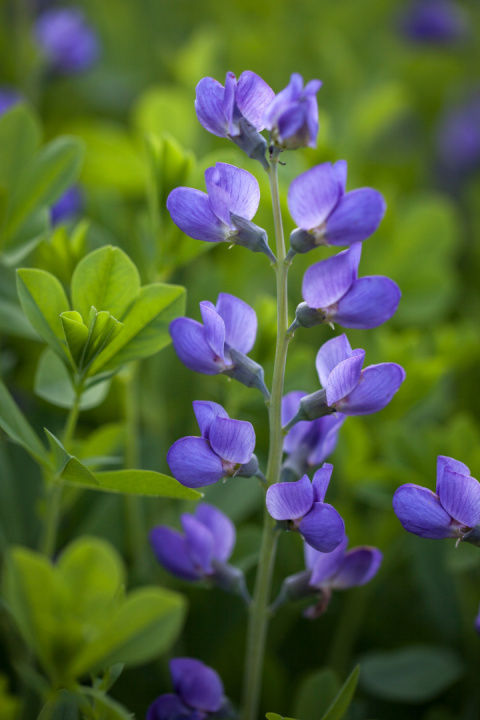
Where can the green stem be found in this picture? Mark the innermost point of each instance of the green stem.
(52, 517)
(258, 620)
(72, 419)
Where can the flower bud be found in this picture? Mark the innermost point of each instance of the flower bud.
(308, 317)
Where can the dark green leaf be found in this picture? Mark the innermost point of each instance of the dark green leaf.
(53, 383)
(62, 707)
(144, 482)
(317, 691)
(17, 427)
(340, 705)
(68, 467)
(111, 709)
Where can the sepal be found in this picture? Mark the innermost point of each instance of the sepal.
(308, 317)
(250, 236)
(302, 241)
(247, 372)
(231, 579)
(293, 588)
(472, 536)
(251, 142)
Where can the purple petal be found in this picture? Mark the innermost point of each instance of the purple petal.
(455, 465)
(197, 684)
(377, 385)
(242, 189)
(240, 322)
(344, 378)
(326, 437)
(323, 527)
(205, 413)
(359, 566)
(283, 100)
(311, 119)
(290, 500)
(214, 330)
(209, 106)
(199, 541)
(191, 346)
(356, 217)
(193, 463)
(370, 302)
(232, 440)
(218, 197)
(229, 103)
(253, 97)
(320, 483)
(295, 436)
(324, 565)
(460, 497)
(221, 528)
(166, 707)
(292, 119)
(421, 513)
(171, 550)
(313, 195)
(340, 168)
(329, 280)
(330, 355)
(191, 211)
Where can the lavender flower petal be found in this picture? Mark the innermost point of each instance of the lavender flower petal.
(330, 355)
(69, 43)
(420, 512)
(460, 497)
(323, 527)
(171, 550)
(296, 434)
(326, 434)
(192, 212)
(240, 186)
(214, 330)
(358, 567)
(221, 528)
(209, 106)
(327, 281)
(193, 463)
(377, 385)
(240, 322)
(168, 707)
(356, 217)
(290, 500)
(344, 378)
(197, 684)
(313, 195)
(205, 413)
(324, 565)
(253, 97)
(340, 169)
(191, 346)
(321, 481)
(444, 462)
(370, 302)
(199, 541)
(232, 440)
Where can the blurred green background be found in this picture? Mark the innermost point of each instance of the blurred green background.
(383, 103)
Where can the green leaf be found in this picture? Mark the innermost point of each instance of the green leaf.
(62, 707)
(76, 333)
(19, 139)
(275, 716)
(103, 329)
(102, 443)
(17, 427)
(145, 626)
(14, 322)
(35, 229)
(340, 705)
(43, 300)
(68, 467)
(47, 176)
(106, 279)
(53, 383)
(9, 704)
(144, 482)
(145, 326)
(111, 709)
(317, 691)
(411, 675)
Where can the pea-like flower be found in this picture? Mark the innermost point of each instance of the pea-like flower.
(225, 448)
(477, 622)
(198, 693)
(292, 117)
(68, 41)
(9, 97)
(300, 506)
(326, 214)
(333, 292)
(224, 212)
(68, 205)
(453, 511)
(307, 444)
(434, 22)
(236, 111)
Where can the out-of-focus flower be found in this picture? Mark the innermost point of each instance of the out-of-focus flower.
(198, 693)
(434, 22)
(333, 292)
(477, 622)
(301, 506)
(9, 97)
(225, 448)
(326, 214)
(453, 511)
(458, 137)
(70, 44)
(224, 212)
(292, 117)
(68, 206)
(236, 111)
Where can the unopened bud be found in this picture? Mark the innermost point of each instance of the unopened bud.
(307, 316)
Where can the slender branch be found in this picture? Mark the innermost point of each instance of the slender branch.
(53, 506)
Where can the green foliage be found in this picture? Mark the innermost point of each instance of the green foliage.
(9, 704)
(81, 622)
(145, 482)
(17, 427)
(315, 694)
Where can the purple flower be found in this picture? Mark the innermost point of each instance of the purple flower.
(434, 21)
(459, 137)
(67, 206)
(225, 448)
(68, 41)
(292, 117)
(453, 511)
(333, 292)
(224, 212)
(236, 111)
(326, 214)
(198, 693)
(307, 443)
(301, 505)
(9, 97)
(477, 622)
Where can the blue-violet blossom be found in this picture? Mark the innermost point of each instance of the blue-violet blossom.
(70, 44)
(333, 292)
(292, 117)
(198, 693)
(224, 212)
(434, 22)
(225, 448)
(9, 97)
(300, 506)
(452, 511)
(326, 214)
(68, 205)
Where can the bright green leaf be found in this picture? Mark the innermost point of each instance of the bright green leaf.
(340, 705)
(53, 383)
(17, 427)
(144, 482)
(76, 333)
(68, 467)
